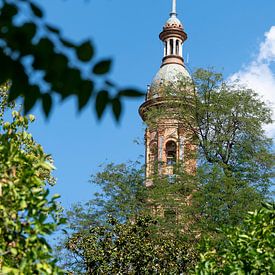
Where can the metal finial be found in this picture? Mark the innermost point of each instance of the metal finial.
(174, 8)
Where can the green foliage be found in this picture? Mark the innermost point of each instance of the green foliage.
(54, 60)
(248, 249)
(124, 197)
(225, 119)
(221, 200)
(168, 199)
(234, 175)
(27, 214)
(230, 119)
(129, 248)
(235, 158)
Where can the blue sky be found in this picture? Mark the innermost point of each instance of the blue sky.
(232, 36)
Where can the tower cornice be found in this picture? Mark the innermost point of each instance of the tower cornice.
(170, 32)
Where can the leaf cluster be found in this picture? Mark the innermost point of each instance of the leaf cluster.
(220, 200)
(235, 159)
(248, 249)
(27, 213)
(41, 63)
(235, 168)
(129, 248)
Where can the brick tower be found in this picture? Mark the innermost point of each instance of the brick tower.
(167, 141)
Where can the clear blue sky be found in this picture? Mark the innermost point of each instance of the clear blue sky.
(224, 34)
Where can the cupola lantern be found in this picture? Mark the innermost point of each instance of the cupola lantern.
(173, 37)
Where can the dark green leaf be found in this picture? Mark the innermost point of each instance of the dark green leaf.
(29, 30)
(67, 43)
(84, 94)
(20, 84)
(6, 68)
(52, 29)
(102, 67)
(36, 10)
(30, 98)
(47, 104)
(43, 52)
(7, 12)
(85, 51)
(116, 107)
(102, 99)
(14, 93)
(19, 39)
(59, 63)
(131, 93)
(64, 231)
(44, 49)
(110, 83)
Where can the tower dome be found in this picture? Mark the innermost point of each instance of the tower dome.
(173, 22)
(168, 74)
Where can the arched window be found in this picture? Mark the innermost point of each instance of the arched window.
(171, 152)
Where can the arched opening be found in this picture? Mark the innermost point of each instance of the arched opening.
(165, 48)
(171, 152)
(171, 46)
(153, 157)
(177, 47)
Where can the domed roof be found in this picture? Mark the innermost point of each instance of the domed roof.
(173, 22)
(167, 74)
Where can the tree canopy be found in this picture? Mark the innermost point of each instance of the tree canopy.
(235, 159)
(128, 248)
(235, 169)
(247, 249)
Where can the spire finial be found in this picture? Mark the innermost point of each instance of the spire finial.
(174, 8)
